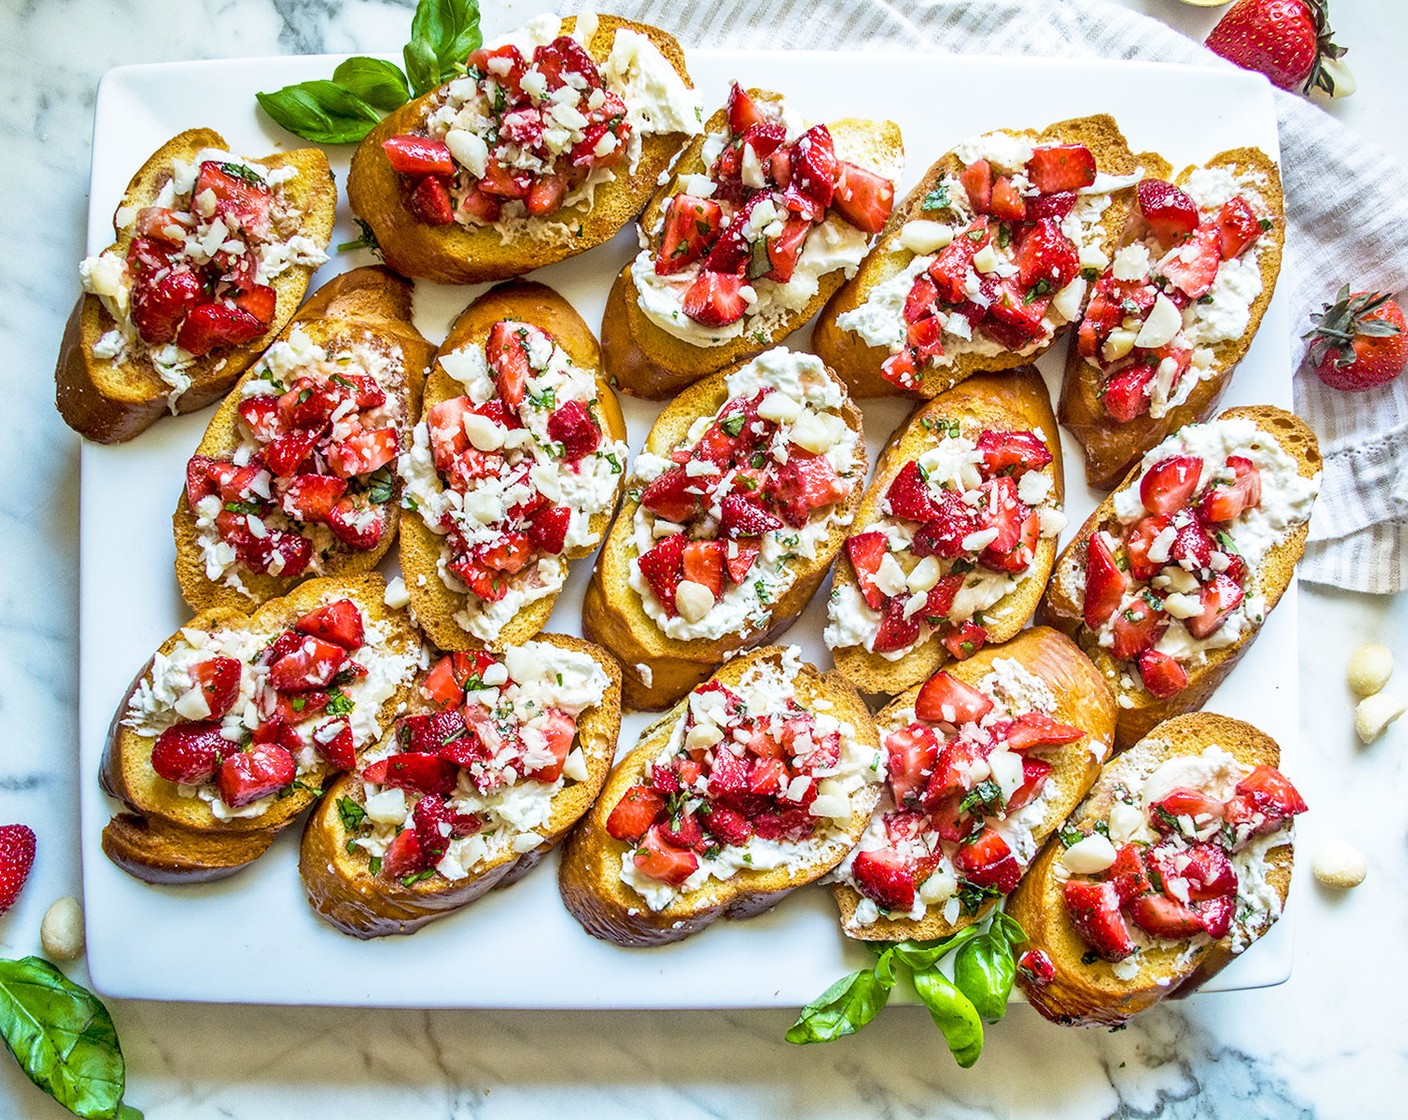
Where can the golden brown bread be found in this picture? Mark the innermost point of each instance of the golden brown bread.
(154, 851)
(1014, 401)
(456, 254)
(339, 882)
(648, 362)
(367, 306)
(1083, 700)
(109, 400)
(1111, 448)
(433, 603)
(591, 858)
(1062, 605)
(1090, 993)
(859, 363)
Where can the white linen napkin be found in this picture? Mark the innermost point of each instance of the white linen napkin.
(1347, 217)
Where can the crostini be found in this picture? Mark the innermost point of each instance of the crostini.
(737, 506)
(1178, 860)
(761, 221)
(551, 142)
(230, 731)
(495, 760)
(985, 263)
(514, 471)
(1175, 310)
(984, 761)
(956, 534)
(213, 254)
(760, 781)
(295, 475)
(1168, 582)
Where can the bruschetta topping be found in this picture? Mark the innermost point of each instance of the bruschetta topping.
(1186, 284)
(512, 473)
(750, 488)
(966, 789)
(313, 473)
(535, 125)
(750, 780)
(1176, 575)
(958, 532)
(472, 778)
(746, 242)
(1006, 273)
(196, 277)
(238, 716)
(1180, 857)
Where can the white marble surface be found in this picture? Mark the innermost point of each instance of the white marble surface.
(1328, 1042)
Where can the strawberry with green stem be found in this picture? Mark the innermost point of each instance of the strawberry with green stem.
(1358, 341)
(1287, 40)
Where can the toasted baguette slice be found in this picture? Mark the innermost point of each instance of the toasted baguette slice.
(111, 399)
(859, 363)
(337, 874)
(1090, 993)
(648, 361)
(154, 846)
(660, 669)
(1064, 602)
(1082, 700)
(435, 603)
(369, 310)
(592, 860)
(1112, 447)
(458, 254)
(1000, 402)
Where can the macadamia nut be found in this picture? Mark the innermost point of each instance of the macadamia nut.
(1369, 669)
(1374, 713)
(61, 931)
(1338, 863)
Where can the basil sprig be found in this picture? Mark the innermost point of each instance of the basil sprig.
(984, 967)
(343, 109)
(63, 1038)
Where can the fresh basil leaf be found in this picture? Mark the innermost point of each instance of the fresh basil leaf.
(1009, 928)
(953, 1013)
(983, 971)
(320, 111)
(885, 969)
(842, 1009)
(63, 1039)
(443, 32)
(920, 955)
(377, 82)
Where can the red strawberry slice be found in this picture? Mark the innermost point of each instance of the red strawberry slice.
(941, 597)
(1163, 917)
(953, 770)
(190, 753)
(1266, 794)
(363, 452)
(289, 452)
(218, 678)
(248, 775)
(1138, 627)
(663, 568)
(1056, 205)
(634, 813)
(1215, 915)
(1169, 483)
(946, 699)
(1138, 540)
(1061, 167)
(447, 435)
(431, 203)
(945, 533)
(1201, 809)
(241, 199)
(743, 111)
(739, 558)
(885, 878)
(559, 728)
(949, 270)
(1125, 395)
(357, 523)
(573, 426)
(804, 483)
(17, 848)
(311, 665)
(1037, 729)
(547, 528)
(1044, 255)
(413, 770)
(1128, 873)
(908, 495)
(1105, 583)
(1171, 214)
(814, 169)
(683, 831)
(1037, 966)
(912, 752)
(261, 416)
(338, 622)
(432, 732)
(964, 639)
(976, 179)
(1204, 867)
(863, 198)
(1035, 771)
(703, 563)
(436, 824)
(1192, 546)
(158, 306)
(309, 405)
(1161, 673)
(209, 325)
(896, 631)
(1019, 557)
(715, 299)
(506, 351)
(1002, 510)
(692, 225)
(925, 338)
(404, 856)
(919, 304)
(1219, 597)
(767, 776)
(1238, 227)
(674, 495)
(1016, 315)
(310, 497)
(658, 859)
(865, 552)
(333, 740)
(785, 250)
(1225, 501)
(1192, 267)
(740, 518)
(1094, 909)
(1012, 453)
(409, 154)
(987, 861)
(1007, 203)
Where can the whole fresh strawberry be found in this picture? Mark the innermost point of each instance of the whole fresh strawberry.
(16, 858)
(1358, 341)
(1287, 40)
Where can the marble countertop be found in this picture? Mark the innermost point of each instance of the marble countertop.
(1321, 1044)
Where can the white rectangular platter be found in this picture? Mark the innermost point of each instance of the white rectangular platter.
(253, 938)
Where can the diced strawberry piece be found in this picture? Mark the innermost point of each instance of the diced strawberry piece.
(1017, 309)
(1044, 255)
(1169, 483)
(919, 304)
(865, 552)
(333, 740)
(190, 753)
(404, 856)
(1215, 914)
(430, 202)
(925, 339)
(1126, 394)
(248, 775)
(261, 416)
(634, 813)
(882, 876)
(562, 57)
(218, 679)
(1265, 793)
(1105, 583)
(357, 523)
(1219, 597)
(1204, 867)
(941, 597)
(203, 477)
(728, 826)
(414, 770)
(1019, 556)
(1037, 729)
(1128, 873)
(559, 729)
(663, 568)
(977, 183)
(743, 112)
(767, 776)
(740, 518)
(662, 861)
(309, 405)
(260, 301)
(1163, 917)
(1171, 214)
(509, 553)
(739, 558)
(900, 369)
(1061, 167)
(785, 250)
(1007, 203)
(161, 223)
(572, 426)
(480, 207)
(1014, 453)
(896, 631)
(1037, 966)
(863, 198)
(1225, 501)
(1237, 227)
(1003, 510)
(1035, 771)
(953, 770)
(445, 732)
(363, 452)
(338, 622)
(1192, 546)
(946, 699)
(908, 495)
(506, 351)
(674, 495)
(949, 270)
(987, 861)
(814, 166)
(1138, 540)
(1138, 627)
(310, 497)
(692, 225)
(1094, 909)
(804, 483)
(209, 325)
(418, 155)
(1193, 265)
(944, 534)
(312, 664)
(505, 182)
(447, 435)
(1164, 814)
(683, 831)
(158, 306)
(289, 452)
(912, 752)
(704, 564)
(715, 299)
(436, 824)
(1055, 206)
(964, 639)
(242, 199)
(1161, 673)
(547, 528)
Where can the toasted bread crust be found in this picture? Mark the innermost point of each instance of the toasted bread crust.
(859, 363)
(591, 858)
(1062, 605)
(456, 255)
(1012, 401)
(341, 888)
(155, 851)
(434, 604)
(109, 400)
(644, 360)
(1091, 994)
(1083, 700)
(612, 613)
(1111, 448)
(371, 306)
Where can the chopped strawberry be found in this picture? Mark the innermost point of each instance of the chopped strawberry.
(987, 861)
(1007, 203)
(739, 558)
(1061, 167)
(949, 270)
(1163, 917)
(547, 528)
(1193, 265)
(1044, 255)
(218, 679)
(912, 752)
(506, 351)
(1056, 206)
(1237, 227)
(663, 568)
(1037, 729)
(418, 155)
(885, 878)
(1219, 597)
(785, 250)
(1265, 793)
(1004, 511)
(1138, 627)
(159, 306)
(1171, 214)
(863, 198)
(414, 770)
(357, 523)
(309, 405)
(896, 631)
(814, 170)
(310, 497)
(804, 483)
(740, 518)
(1037, 966)
(1169, 483)
(1161, 673)
(634, 813)
(919, 304)
(692, 225)
(1012, 453)
(242, 198)
(1225, 501)
(338, 622)
(1018, 557)
(447, 435)
(289, 452)
(434, 732)
(662, 861)
(976, 179)
(715, 299)
(743, 111)
(946, 699)
(574, 427)
(944, 534)
(1215, 915)
(1192, 546)
(674, 495)
(865, 552)
(430, 202)
(363, 452)
(209, 325)
(1125, 394)
(1204, 867)
(964, 639)
(1128, 873)
(1035, 771)
(908, 495)
(953, 770)
(436, 824)
(1139, 538)
(333, 740)
(248, 775)
(1105, 583)
(1201, 809)
(900, 369)
(558, 729)
(1094, 909)
(190, 753)
(703, 563)
(312, 664)
(941, 597)
(404, 856)
(261, 416)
